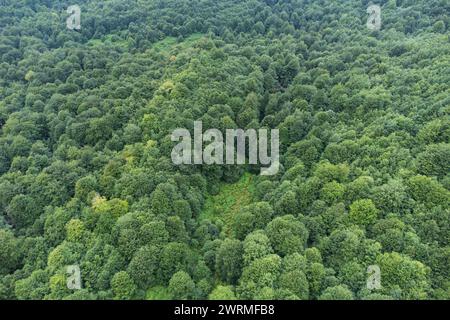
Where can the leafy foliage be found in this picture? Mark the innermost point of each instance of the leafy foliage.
(86, 176)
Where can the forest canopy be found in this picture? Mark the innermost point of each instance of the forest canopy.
(86, 177)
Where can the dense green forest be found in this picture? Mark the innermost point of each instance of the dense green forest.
(86, 176)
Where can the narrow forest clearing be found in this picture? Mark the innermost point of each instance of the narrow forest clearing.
(169, 43)
(158, 293)
(230, 199)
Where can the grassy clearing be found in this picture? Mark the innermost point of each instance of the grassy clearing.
(158, 293)
(169, 43)
(230, 199)
(109, 40)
